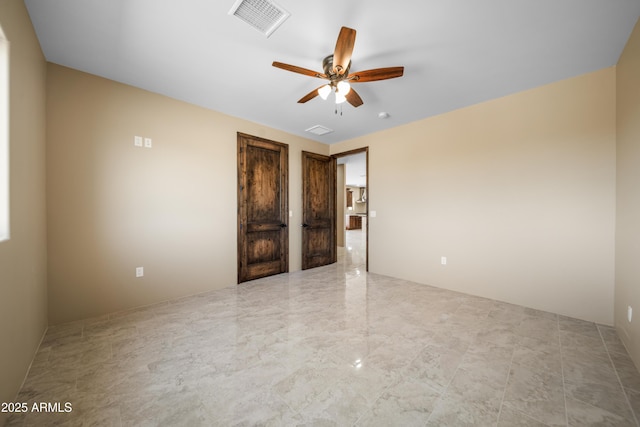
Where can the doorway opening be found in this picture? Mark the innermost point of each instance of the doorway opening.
(352, 203)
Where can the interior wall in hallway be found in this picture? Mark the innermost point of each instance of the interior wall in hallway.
(341, 205)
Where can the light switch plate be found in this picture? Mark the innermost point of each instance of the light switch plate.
(137, 141)
(372, 214)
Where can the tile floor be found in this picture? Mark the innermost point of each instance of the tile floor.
(334, 346)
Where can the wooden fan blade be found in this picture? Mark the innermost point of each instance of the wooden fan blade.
(353, 98)
(309, 96)
(376, 74)
(299, 70)
(343, 50)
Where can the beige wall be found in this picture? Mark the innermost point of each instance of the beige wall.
(23, 261)
(518, 193)
(171, 209)
(627, 289)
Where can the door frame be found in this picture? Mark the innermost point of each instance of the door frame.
(349, 153)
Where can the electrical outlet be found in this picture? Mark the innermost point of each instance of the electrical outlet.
(139, 271)
(443, 260)
(148, 143)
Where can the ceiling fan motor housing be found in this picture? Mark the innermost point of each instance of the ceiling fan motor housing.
(327, 66)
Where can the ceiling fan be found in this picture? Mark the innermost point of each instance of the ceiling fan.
(336, 70)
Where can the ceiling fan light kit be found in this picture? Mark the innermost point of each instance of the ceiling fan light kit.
(336, 69)
(324, 91)
(343, 87)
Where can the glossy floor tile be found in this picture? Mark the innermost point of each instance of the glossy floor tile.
(333, 346)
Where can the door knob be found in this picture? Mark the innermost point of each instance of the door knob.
(305, 225)
(283, 225)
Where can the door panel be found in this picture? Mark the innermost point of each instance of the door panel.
(319, 210)
(263, 184)
(262, 247)
(263, 237)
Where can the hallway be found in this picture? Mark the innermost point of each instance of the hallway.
(354, 254)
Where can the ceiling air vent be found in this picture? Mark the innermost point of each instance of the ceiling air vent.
(264, 16)
(319, 130)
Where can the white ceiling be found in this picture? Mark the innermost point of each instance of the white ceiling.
(455, 52)
(355, 169)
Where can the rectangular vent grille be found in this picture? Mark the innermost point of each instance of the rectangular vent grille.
(319, 130)
(265, 16)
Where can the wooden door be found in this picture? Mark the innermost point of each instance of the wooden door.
(263, 206)
(318, 210)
